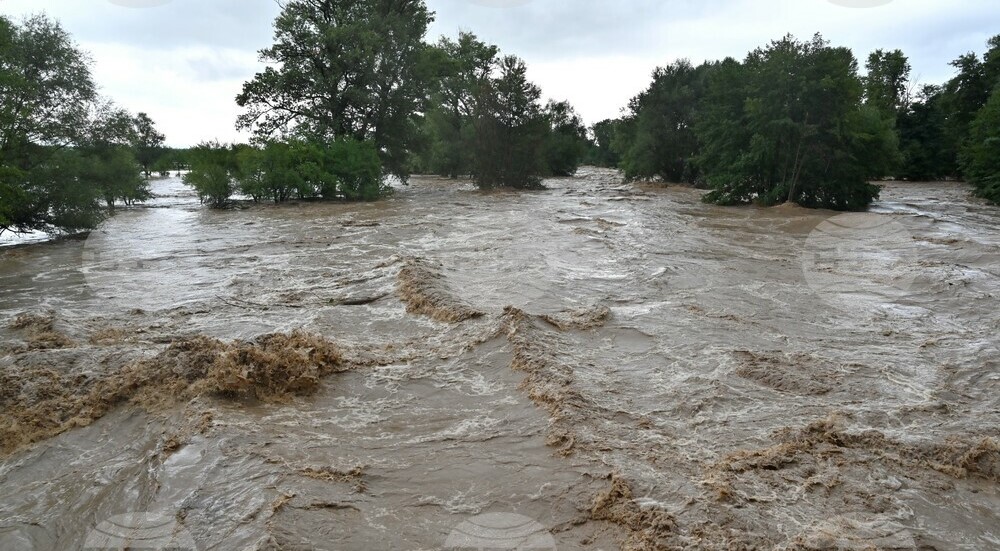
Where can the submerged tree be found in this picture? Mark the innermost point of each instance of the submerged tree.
(566, 142)
(148, 142)
(510, 129)
(657, 139)
(463, 65)
(343, 69)
(211, 174)
(788, 124)
(46, 92)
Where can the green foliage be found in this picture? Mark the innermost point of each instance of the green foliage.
(345, 169)
(45, 94)
(934, 130)
(887, 82)
(566, 142)
(448, 127)
(211, 173)
(657, 139)
(981, 156)
(601, 152)
(788, 125)
(344, 69)
(510, 129)
(62, 149)
(927, 150)
(148, 142)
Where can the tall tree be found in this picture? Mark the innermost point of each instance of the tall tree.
(603, 133)
(510, 129)
(463, 65)
(566, 142)
(887, 83)
(348, 69)
(659, 140)
(46, 92)
(148, 142)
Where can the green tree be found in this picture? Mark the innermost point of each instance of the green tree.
(510, 129)
(110, 164)
(788, 124)
(927, 150)
(462, 65)
(211, 173)
(658, 139)
(46, 91)
(602, 153)
(343, 69)
(566, 142)
(148, 142)
(981, 156)
(887, 82)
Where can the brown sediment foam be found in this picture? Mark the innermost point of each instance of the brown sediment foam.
(547, 382)
(40, 331)
(648, 529)
(588, 318)
(795, 373)
(39, 403)
(973, 456)
(423, 289)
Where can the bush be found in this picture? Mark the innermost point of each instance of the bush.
(211, 171)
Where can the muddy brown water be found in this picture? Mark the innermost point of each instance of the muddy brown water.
(622, 364)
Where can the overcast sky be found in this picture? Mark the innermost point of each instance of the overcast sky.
(184, 61)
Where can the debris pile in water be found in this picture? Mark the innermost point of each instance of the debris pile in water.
(39, 403)
(423, 290)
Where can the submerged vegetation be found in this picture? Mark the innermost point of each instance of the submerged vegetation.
(796, 121)
(67, 156)
(354, 96)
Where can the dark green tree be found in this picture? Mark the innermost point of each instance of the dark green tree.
(566, 142)
(658, 139)
(462, 66)
(343, 69)
(148, 142)
(211, 175)
(788, 124)
(887, 83)
(981, 155)
(110, 164)
(46, 92)
(510, 129)
(603, 134)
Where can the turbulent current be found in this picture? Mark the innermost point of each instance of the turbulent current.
(598, 365)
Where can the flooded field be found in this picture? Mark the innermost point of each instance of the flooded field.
(598, 366)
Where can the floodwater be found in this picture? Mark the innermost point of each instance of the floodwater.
(598, 365)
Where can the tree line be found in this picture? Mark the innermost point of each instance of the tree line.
(67, 155)
(797, 121)
(353, 95)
